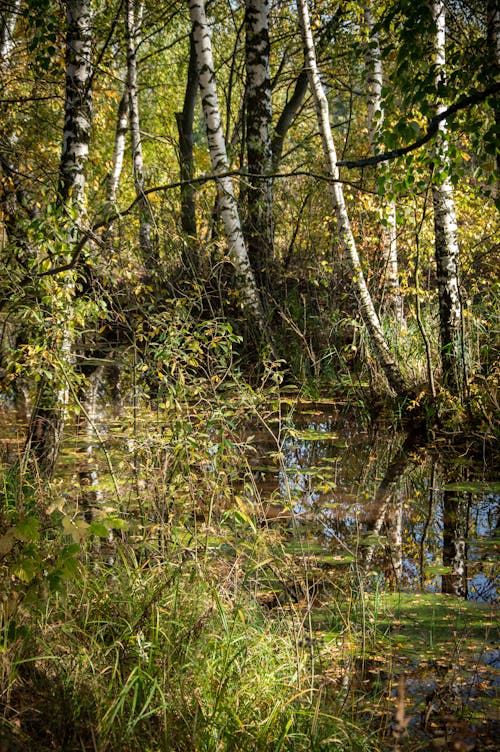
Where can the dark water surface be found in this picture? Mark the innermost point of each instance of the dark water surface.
(420, 517)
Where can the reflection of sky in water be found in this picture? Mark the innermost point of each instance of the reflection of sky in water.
(343, 511)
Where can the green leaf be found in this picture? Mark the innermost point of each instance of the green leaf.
(99, 529)
(27, 529)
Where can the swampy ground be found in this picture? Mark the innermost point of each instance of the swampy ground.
(249, 573)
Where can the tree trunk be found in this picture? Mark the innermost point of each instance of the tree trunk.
(78, 104)
(49, 415)
(8, 18)
(259, 193)
(119, 148)
(392, 300)
(133, 18)
(493, 40)
(218, 157)
(445, 234)
(287, 116)
(185, 120)
(389, 365)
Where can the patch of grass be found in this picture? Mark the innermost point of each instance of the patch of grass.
(171, 655)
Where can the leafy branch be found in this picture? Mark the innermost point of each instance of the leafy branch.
(476, 98)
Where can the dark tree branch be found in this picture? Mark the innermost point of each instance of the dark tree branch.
(475, 98)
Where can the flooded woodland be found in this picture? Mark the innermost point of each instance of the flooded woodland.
(368, 547)
(249, 376)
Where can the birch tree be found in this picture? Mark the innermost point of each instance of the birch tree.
(259, 225)
(119, 148)
(445, 229)
(393, 373)
(8, 18)
(48, 417)
(373, 61)
(218, 156)
(133, 17)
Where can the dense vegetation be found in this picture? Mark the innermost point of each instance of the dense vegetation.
(205, 213)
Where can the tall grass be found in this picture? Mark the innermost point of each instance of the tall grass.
(162, 656)
(162, 639)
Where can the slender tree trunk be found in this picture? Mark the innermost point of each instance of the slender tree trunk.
(445, 234)
(259, 224)
(394, 529)
(119, 147)
(493, 39)
(392, 299)
(134, 10)
(121, 131)
(78, 104)
(387, 361)
(185, 120)
(385, 502)
(218, 156)
(286, 118)
(49, 415)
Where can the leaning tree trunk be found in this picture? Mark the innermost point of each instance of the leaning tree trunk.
(48, 417)
(185, 121)
(445, 234)
(287, 117)
(389, 365)
(392, 299)
(218, 156)
(119, 148)
(259, 193)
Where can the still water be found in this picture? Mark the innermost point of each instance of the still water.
(420, 517)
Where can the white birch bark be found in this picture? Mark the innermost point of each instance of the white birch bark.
(49, 415)
(373, 60)
(445, 231)
(259, 224)
(387, 361)
(8, 18)
(185, 121)
(119, 148)
(220, 165)
(134, 12)
(78, 104)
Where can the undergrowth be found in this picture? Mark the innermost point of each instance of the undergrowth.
(167, 616)
(166, 655)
